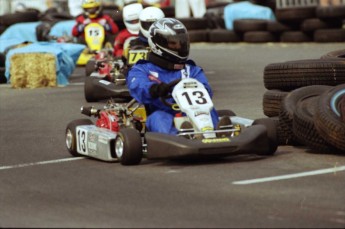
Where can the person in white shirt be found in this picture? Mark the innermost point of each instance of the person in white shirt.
(75, 7)
(183, 8)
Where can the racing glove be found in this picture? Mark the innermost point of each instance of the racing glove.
(159, 90)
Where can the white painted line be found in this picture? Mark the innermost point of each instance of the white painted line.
(40, 163)
(290, 176)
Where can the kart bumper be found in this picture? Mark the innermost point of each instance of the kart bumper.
(98, 89)
(252, 140)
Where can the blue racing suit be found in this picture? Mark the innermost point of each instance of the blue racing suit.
(160, 116)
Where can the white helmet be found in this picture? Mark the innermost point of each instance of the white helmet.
(130, 16)
(147, 17)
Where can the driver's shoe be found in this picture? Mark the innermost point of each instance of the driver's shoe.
(186, 127)
(223, 124)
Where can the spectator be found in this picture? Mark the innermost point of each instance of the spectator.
(183, 8)
(75, 7)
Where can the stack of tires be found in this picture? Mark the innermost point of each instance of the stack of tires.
(294, 24)
(307, 98)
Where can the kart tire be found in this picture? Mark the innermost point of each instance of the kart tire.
(90, 67)
(71, 135)
(329, 117)
(272, 133)
(128, 146)
(225, 112)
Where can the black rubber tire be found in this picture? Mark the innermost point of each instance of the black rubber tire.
(288, 108)
(225, 112)
(3, 78)
(329, 35)
(194, 23)
(89, 93)
(246, 25)
(223, 35)
(295, 15)
(13, 18)
(328, 120)
(295, 36)
(334, 54)
(272, 134)
(198, 36)
(304, 128)
(291, 75)
(71, 129)
(2, 59)
(330, 12)
(259, 37)
(131, 142)
(279, 27)
(272, 102)
(90, 67)
(312, 24)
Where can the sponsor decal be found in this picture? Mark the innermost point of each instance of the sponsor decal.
(104, 82)
(215, 140)
(207, 128)
(198, 113)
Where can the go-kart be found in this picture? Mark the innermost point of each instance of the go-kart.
(120, 133)
(94, 35)
(108, 77)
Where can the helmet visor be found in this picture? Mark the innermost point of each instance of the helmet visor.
(92, 11)
(135, 21)
(177, 45)
(146, 24)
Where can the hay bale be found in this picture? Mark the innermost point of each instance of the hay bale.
(33, 70)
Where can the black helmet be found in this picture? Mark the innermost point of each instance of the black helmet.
(169, 41)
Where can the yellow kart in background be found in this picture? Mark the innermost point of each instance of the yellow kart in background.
(94, 39)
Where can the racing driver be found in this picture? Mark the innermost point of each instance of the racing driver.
(93, 13)
(168, 61)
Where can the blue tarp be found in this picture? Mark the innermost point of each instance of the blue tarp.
(25, 30)
(66, 56)
(246, 10)
(62, 28)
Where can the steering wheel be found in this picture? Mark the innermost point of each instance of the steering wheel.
(165, 98)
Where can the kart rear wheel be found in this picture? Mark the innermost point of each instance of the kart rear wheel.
(225, 113)
(272, 135)
(128, 146)
(71, 135)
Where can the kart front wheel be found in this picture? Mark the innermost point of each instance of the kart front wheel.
(128, 146)
(272, 134)
(71, 135)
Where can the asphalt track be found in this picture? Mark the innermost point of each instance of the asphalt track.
(41, 185)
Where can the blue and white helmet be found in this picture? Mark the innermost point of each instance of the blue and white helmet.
(169, 39)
